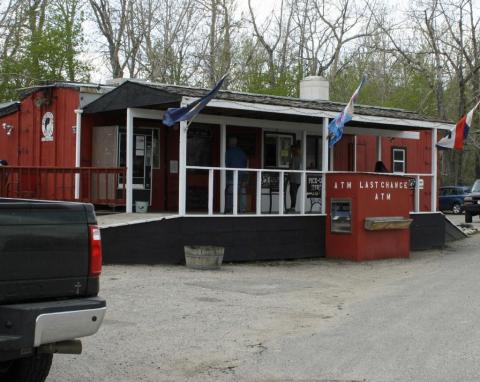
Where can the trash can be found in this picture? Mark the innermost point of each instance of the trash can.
(203, 256)
(141, 206)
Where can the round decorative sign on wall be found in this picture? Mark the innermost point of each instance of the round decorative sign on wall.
(47, 126)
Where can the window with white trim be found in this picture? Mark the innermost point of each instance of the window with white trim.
(399, 160)
(277, 149)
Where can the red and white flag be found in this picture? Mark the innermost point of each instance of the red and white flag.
(456, 137)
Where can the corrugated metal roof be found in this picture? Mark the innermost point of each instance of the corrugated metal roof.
(188, 91)
(292, 102)
(64, 84)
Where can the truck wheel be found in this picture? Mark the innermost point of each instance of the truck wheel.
(30, 369)
(457, 209)
(468, 217)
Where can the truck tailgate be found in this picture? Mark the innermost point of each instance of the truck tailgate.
(44, 249)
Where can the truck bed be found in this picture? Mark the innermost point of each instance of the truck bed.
(44, 250)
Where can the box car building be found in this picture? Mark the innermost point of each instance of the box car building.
(107, 145)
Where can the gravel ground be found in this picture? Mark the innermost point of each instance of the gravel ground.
(310, 320)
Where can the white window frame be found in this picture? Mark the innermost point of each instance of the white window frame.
(395, 161)
(278, 136)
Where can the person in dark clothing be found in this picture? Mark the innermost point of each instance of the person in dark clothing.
(294, 178)
(380, 167)
(235, 157)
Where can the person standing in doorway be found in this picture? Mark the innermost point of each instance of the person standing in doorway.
(294, 178)
(235, 157)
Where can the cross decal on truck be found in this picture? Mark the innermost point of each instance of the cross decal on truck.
(77, 287)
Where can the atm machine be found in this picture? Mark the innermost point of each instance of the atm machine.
(368, 216)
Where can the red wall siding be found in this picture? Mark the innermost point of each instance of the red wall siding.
(343, 154)
(9, 149)
(25, 147)
(418, 155)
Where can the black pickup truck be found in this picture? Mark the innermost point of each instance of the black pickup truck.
(50, 264)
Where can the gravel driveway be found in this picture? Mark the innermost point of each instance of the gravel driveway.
(310, 320)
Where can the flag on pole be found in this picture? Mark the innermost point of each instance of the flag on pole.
(177, 114)
(456, 137)
(335, 128)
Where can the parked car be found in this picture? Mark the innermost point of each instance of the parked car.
(472, 202)
(451, 198)
(50, 264)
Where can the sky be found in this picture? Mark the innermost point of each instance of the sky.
(263, 8)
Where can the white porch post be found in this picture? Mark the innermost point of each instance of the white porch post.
(235, 192)
(379, 148)
(281, 192)
(223, 149)
(259, 193)
(129, 155)
(210, 192)
(417, 194)
(303, 181)
(324, 163)
(182, 169)
(434, 171)
(78, 149)
(331, 158)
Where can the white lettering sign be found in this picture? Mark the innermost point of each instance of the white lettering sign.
(381, 188)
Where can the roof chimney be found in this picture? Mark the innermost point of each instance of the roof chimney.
(314, 88)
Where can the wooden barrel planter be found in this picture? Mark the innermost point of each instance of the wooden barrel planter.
(203, 256)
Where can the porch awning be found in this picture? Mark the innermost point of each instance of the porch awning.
(133, 94)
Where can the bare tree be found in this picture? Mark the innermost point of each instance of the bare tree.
(112, 21)
(172, 47)
(221, 25)
(350, 24)
(279, 27)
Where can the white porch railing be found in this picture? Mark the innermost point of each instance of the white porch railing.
(263, 189)
(268, 195)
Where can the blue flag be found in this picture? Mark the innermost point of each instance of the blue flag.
(335, 128)
(177, 114)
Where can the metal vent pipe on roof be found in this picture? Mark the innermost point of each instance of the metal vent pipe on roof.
(314, 88)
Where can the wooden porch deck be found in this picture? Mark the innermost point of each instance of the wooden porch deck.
(124, 219)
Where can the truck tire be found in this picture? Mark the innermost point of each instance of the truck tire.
(468, 217)
(30, 369)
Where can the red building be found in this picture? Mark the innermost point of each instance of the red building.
(107, 145)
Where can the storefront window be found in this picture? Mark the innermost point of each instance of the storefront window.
(314, 153)
(156, 149)
(199, 145)
(277, 149)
